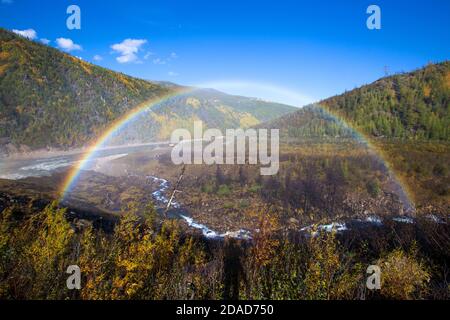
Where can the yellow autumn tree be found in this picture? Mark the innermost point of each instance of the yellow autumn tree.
(329, 274)
(46, 258)
(403, 275)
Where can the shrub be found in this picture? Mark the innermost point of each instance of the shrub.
(330, 273)
(223, 190)
(403, 277)
(373, 188)
(207, 188)
(254, 188)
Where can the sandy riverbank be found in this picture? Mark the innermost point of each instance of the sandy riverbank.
(49, 153)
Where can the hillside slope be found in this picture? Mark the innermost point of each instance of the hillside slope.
(413, 105)
(310, 122)
(51, 99)
(215, 109)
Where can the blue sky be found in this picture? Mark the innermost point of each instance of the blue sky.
(288, 51)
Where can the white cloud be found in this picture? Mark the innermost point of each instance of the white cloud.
(127, 58)
(162, 61)
(173, 74)
(148, 55)
(28, 33)
(67, 44)
(45, 41)
(128, 49)
(98, 58)
(159, 61)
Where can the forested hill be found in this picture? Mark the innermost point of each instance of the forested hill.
(410, 105)
(51, 99)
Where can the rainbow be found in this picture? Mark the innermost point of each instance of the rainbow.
(117, 125)
(404, 192)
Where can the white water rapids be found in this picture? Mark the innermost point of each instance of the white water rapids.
(160, 196)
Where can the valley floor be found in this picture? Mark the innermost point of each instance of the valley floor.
(332, 210)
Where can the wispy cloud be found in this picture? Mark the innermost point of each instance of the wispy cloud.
(159, 61)
(67, 44)
(148, 55)
(128, 50)
(172, 74)
(28, 33)
(162, 61)
(7, 1)
(98, 58)
(45, 41)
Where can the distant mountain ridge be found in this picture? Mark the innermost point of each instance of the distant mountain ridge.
(52, 99)
(214, 108)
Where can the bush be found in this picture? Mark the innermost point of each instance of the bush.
(207, 188)
(254, 188)
(330, 272)
(403, 277)
(373, 188)
(223, 190)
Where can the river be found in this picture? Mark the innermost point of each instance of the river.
(21, 168)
